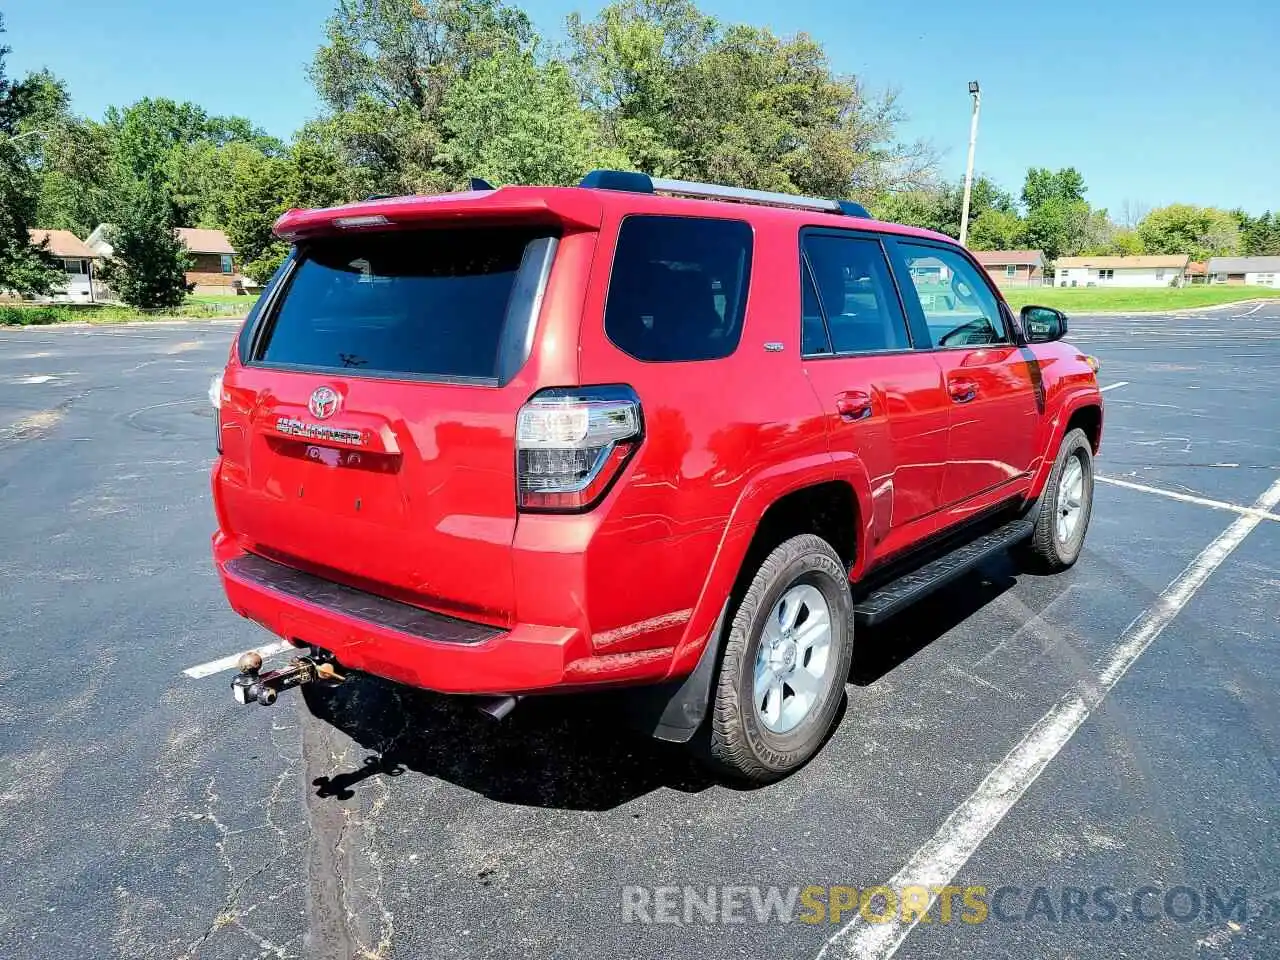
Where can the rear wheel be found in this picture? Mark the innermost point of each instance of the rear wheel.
(1066, 506)
(785, 662)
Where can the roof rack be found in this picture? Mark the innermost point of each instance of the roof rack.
(632, 182)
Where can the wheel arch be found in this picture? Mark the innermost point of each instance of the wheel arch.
(775, 504)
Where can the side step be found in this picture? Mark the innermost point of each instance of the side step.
(900, 593)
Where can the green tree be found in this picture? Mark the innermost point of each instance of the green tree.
(70, 158)
(258, 188)
(937, 207)
(683, 95)
(1259, 236)
(384, 72)
(514, 120)
(149, 262)
(1043, 185)
(996, 230)
(24, 268)
(1201, 232)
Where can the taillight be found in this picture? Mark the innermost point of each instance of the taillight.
(215, 399)
(571, 444)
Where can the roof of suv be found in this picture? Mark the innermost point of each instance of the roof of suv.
(581, 206)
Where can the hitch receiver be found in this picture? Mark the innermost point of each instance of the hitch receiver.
(250, 685)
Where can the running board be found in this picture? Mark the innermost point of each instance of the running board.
(902, 592)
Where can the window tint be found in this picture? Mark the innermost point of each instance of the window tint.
(856, 292)
(958, 306)
(813, 334)
(679, 287)
(429, 303)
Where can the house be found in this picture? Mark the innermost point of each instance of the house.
(1197, 272)
(1013, 268)
(213, 266)
(1245, 271)
(1153, 271)
(78, 263)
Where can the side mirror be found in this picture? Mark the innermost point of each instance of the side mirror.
(1043, 324)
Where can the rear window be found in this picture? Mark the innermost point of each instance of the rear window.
(423, 303)
(679, 287)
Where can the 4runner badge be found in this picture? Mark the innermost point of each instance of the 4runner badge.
(324, 403)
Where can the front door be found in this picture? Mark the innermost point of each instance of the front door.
(884, 399)
(991, 383)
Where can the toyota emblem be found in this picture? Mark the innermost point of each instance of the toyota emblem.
(324, 403)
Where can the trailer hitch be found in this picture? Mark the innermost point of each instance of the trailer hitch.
(250, 685)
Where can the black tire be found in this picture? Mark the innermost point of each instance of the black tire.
(1046, 551)
(739, 744)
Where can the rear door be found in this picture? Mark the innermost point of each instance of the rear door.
(884, 399)
(991, 383)
(368, 427)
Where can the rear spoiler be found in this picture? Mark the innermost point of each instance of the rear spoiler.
(569, 206)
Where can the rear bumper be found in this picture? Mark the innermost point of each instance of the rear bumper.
(417, 647)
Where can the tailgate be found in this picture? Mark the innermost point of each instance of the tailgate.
(369, 433)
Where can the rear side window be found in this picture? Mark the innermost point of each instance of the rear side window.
(679, 287)
(419, 304)
(859, 302)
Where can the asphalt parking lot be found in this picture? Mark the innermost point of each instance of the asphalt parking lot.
(1116, 726)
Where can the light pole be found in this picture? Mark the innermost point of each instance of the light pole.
(21, 136)
(968, 171)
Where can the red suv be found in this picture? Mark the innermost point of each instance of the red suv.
(635, 432)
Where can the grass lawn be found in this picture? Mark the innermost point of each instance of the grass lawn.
(40, 314)
(247, 300)
(1087, 299)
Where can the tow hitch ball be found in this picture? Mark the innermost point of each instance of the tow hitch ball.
(251, 685)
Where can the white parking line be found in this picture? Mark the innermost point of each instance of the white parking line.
(1191, 498)
(203, 670)
(945, 854)
(1112, 386)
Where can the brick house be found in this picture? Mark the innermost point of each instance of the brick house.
(213, 267)
(1013, 268)
(213, 259)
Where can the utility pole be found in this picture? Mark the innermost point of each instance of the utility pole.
(968, 172)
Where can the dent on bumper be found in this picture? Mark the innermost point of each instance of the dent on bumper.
(526, 659)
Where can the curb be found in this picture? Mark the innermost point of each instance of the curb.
(1175, 312)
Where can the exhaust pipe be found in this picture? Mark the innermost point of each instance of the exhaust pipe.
(497, 707)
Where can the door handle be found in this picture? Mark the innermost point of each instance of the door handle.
(853, 405)
(962, 391)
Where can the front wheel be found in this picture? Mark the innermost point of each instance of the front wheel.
(1066, 506)
(784, 664)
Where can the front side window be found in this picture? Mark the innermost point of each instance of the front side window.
(678, 290)
(226, 263)
(1010, 270)
(856, 293)
(958, 306)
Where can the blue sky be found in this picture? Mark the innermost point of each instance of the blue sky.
(1153, 102)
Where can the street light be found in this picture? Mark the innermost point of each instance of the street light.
(968, 173)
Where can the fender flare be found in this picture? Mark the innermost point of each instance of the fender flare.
(759, 493)
(1077, 400)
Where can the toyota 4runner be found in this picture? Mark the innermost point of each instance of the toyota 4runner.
(637, 432)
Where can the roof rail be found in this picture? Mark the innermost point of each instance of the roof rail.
(631, 182)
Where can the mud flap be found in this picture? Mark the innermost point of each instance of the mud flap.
(673, 711)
